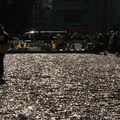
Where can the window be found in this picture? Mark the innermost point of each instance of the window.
(36, 6)
(36, 15)
(9, 1)
(36, 24)
(73, 18)
(40, 5)
(74, 0)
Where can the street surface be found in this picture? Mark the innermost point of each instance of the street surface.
(60, 87)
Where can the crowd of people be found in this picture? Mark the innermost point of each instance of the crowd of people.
(96, 43)
(106, 41)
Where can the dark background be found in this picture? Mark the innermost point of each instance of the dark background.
(11, 12)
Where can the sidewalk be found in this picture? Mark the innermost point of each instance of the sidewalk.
(60, 87)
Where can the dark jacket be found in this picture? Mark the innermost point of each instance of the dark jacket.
(5, 41)
(4, 44)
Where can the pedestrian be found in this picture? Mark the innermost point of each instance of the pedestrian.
(59, 39)
(113, 43)
(3, 49)
(118, 45)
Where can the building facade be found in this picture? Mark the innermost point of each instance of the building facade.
(92, 15)
(117, 14)
(40, 16)
(101, 15)
(70, 14)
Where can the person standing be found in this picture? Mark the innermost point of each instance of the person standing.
(3, 50)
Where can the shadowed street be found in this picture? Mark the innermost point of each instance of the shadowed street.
(60, 87)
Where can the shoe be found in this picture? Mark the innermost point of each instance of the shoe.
(2, 81)
(105, 53)
(117, 55)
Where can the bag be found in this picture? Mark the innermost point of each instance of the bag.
(4, 48)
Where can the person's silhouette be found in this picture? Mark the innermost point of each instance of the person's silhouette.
(3, 50)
